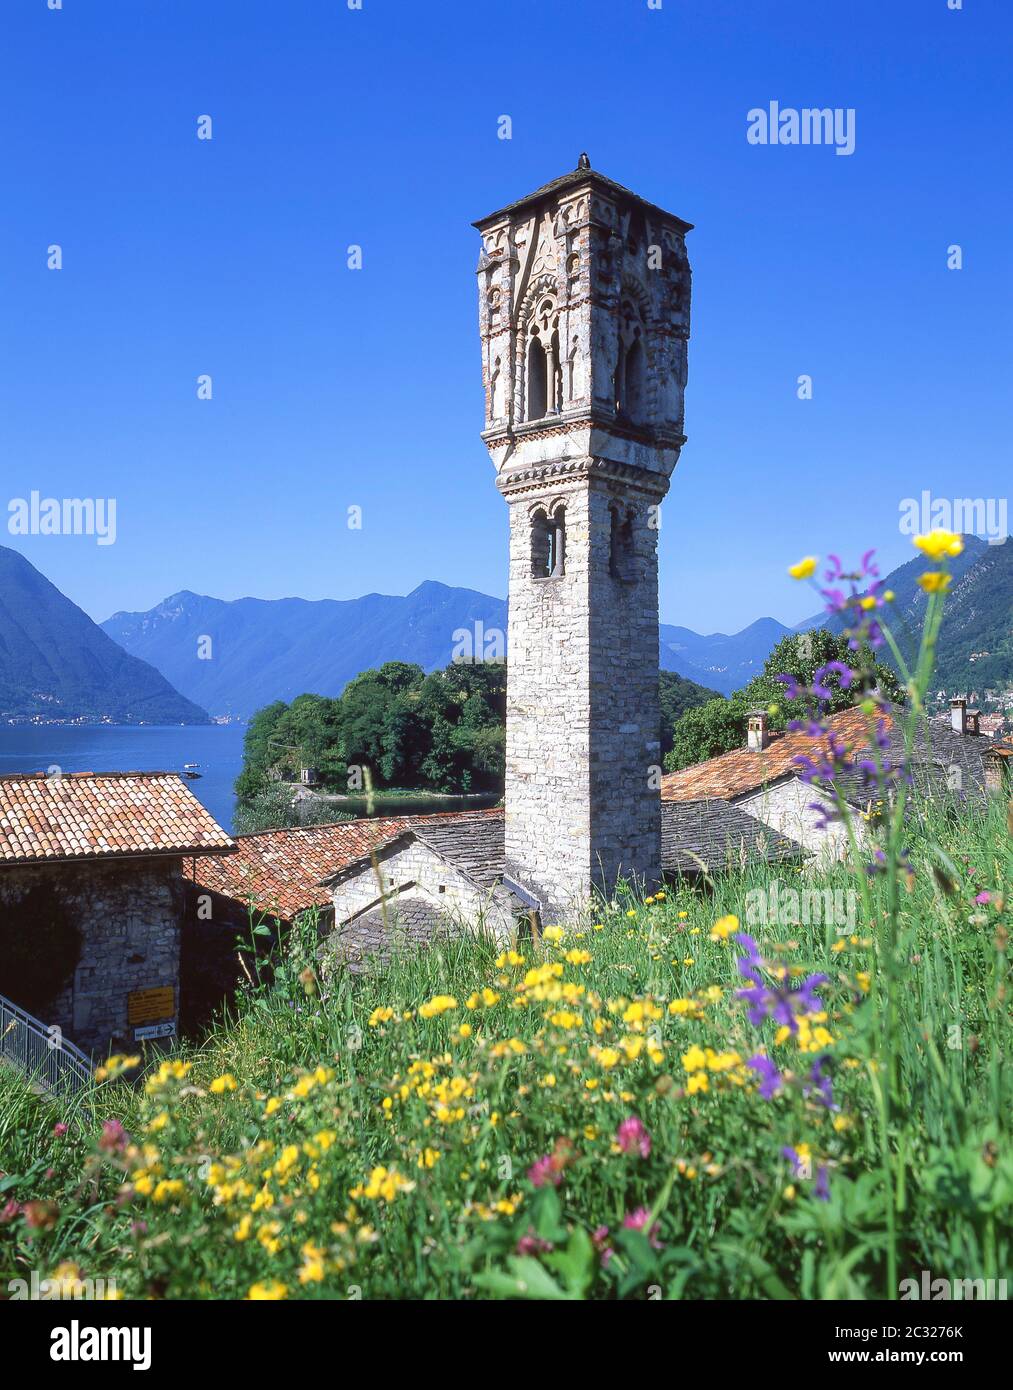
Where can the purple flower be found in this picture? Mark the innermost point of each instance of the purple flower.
(820, 1085)
(822, 1189)
(632, 1137)
(113, 1137)
(799, 1165)
(637, 1221)
(775, 999)
(771, 1080)
(532, 1244)
(543, 1172)
(845, 674)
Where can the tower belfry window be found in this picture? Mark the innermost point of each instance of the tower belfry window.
(536, 379)
(548, 544)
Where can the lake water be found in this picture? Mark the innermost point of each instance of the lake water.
(122, 748)
(217, 747)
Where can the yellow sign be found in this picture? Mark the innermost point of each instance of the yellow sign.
(150, 1005)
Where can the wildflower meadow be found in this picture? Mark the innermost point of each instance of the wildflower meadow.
(659, 1098)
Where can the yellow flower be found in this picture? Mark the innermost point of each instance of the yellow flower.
(632, 912)
(464, 1031)
(697, 1082)
(159, 1122)
(694, 1059)
(723, 927)
(552, 934)
(242, 1231)
(935, 581)
(270, 1291)
(939, 543)
(804, 568)
(227, 1082)
(383, 1015)
(168, 1187)
(272, 1105)
(383, 1183)
(608, 1057)
(578, 957)
(439, 1004)
(312, 1270)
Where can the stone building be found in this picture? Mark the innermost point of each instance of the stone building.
(763, 778)
(107, 852)
(584, 297)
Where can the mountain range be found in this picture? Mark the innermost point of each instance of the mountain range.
(268, 649)
(57, 664)
(193, 653)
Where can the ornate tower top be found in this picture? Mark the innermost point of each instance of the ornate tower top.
(584, 291)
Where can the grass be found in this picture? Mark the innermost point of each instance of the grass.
(379, 1138)
(599, 1114)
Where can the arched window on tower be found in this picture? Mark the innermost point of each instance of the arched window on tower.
(548, 543)
(536, 378)
(633, 394)
(544, 369)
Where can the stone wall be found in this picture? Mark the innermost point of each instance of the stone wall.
(128, 913)
(450, 892)
(787, 806)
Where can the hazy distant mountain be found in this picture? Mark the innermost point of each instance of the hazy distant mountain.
(55, 662)
(274, 649)
(259, 650)
(975, 649)
(723, 662)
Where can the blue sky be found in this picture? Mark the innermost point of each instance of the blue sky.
(379, 127)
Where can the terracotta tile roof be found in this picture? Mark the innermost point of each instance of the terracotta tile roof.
(281, 871)
(940, 760)
(87, 815)
(743, 769)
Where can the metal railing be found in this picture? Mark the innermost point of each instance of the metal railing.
(42, 1053)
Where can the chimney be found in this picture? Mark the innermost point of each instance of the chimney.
(958, 715)
(757, 734)
(971, 726)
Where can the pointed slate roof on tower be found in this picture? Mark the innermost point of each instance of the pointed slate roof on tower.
(583, 174)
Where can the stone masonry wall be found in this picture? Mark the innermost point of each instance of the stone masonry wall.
(416, 864)
(129, 915)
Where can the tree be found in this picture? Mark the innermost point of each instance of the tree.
(707, 730)
(720, 725)
(801, 655)
(677, 696)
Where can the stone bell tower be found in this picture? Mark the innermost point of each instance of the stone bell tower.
(584, 293)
